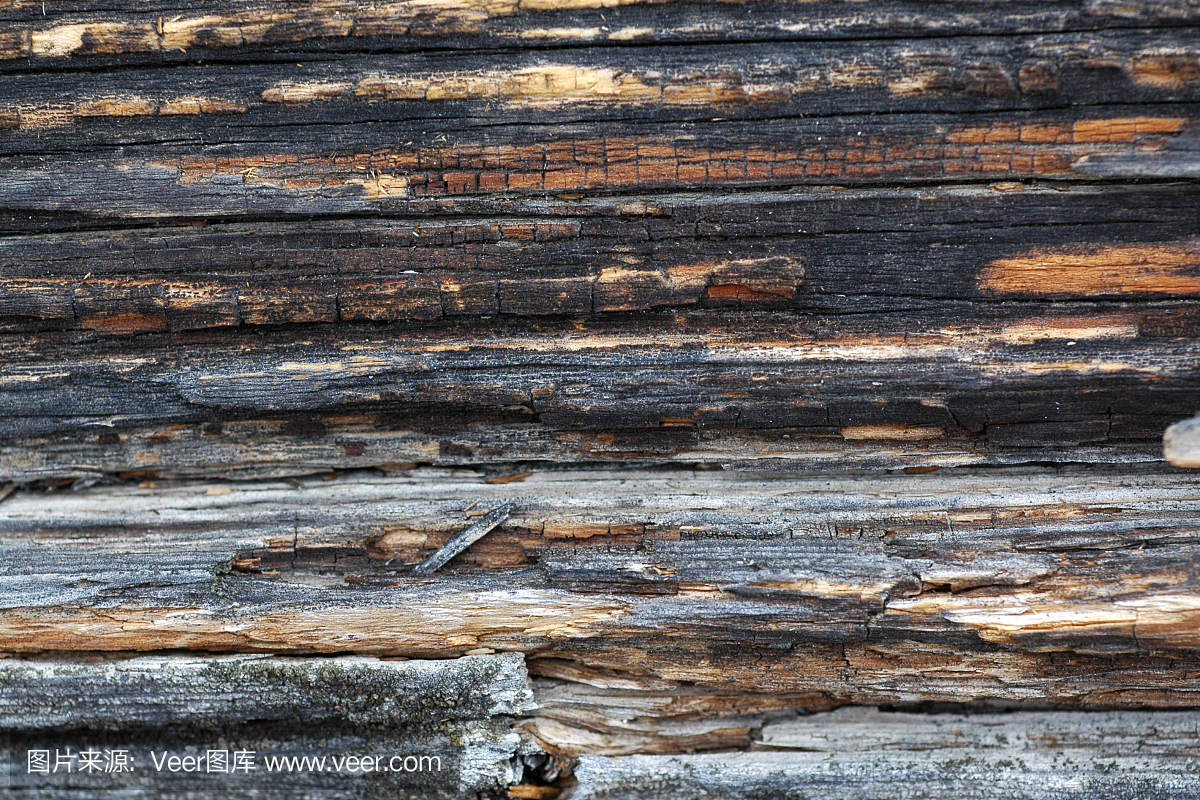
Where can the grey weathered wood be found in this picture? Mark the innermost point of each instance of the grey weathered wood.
(468, 760)
(1004, 570)
(1074, 380)
(462, 541)
(866, 755)
(1105, 733)
(272, 448)
(1179, 159)
(520, 241)
(454, 711)
(161, 691)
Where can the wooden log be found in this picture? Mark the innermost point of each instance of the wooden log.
(259, 448)
(799, 250)
(845, 575)
(161, 691)
(959, 109)
(1073, 378)
(369, 175)
(81, 31)
(967, 74)
(148, 281)
(870, 755)
(191, 726)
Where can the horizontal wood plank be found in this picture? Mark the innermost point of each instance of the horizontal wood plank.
(185, 691)
(1057, 377)
(870, 755)
(120, 32)
(998, 571)
(810, 354)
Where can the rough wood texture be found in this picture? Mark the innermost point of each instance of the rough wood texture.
(866, 755)
(824, 351)
(184, 706)
(1009, 380)
(210, 30)
(1010, 571)
(209, 692)
(652, 232)
(476, 762)
(800, 249)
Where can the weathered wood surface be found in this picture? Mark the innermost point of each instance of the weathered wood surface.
(932, 268)
(476, 762)
(973, 392)
(867, 755)
(802, 249)
(1075, 587)
(652, 233)
(455, 714)
(210, 692)
(63, 33)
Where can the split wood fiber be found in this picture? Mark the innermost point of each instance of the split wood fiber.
(824, 352)
(867, 755)
(781, 234)
(1074, 587)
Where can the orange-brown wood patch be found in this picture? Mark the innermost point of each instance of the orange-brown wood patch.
(1086, 270)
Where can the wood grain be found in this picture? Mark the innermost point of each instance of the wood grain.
(987, 566)
(96, 33)
(824, 352)
(157, 691)
(865, 754)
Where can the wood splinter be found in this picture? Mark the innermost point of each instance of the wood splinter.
(1181, 443)
(464, 540)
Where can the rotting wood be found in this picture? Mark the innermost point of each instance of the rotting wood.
(867, 755)
(666, 239)
(995, 567)
(210, 30)
(158, 691)
(256, 180)
(575, 719)
(595, 716)
(465, 761)
(1012, 381)
(800, 250)
(450, 718)
(968, 74)
(258, 448)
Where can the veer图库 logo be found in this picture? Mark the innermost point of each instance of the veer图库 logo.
(103, 766)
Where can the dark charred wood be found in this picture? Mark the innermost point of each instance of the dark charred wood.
(819, 354)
